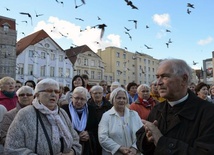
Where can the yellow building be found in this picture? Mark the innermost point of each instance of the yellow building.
(124, 66)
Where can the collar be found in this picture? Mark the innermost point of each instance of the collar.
(179, 101)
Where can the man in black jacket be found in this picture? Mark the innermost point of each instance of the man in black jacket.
(181, 125)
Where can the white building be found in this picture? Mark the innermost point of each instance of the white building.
(39, 56)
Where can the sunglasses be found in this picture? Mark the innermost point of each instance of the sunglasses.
(21, 95)
(56, 91)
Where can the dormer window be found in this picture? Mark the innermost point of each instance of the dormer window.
(6, 27)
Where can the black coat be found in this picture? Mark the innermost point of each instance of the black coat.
(91, 146)
(187, 128)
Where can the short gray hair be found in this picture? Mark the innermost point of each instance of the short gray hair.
(40, 86)
(142, 86)
(115, 92)
(80, 90)
(25, 88)
(95, 88)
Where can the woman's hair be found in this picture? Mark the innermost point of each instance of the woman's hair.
(142, 86)
(179, 67)
(130, 85)
(80, 90)
(74, 78)
(115, 83)
(26, 89)
(199, 86)
(95, 88)
(31, 81)
(115, 92)
(5, 79)
(43, 84)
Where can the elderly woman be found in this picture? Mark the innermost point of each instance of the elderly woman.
(84, 121)
(42, 128)
(114, 85)
(118, 126)
(25, 98)
(154, 92)
(132, 91)
(144, 103)
(201, 90)
(8, 96)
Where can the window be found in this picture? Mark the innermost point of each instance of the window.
(118, 80)
(92, 62)
(6, 28)
(52, 56)
(153, 70)
(21, 69)
(86, 62)
(60, 72)
(117, 54)
(92, 74)
(124, 64)
(78, 72)
(105, 78)
(148, 61)
(124, 55)
(140, 67)
(99, 75)
(42, 55)
(110, 77)
(144, 61)
(86, 72)
(124, 73)
(30, 69)
(42, 71)
(124, 82)
(67, 72)
(118, 63)
(52, 71)
(153, 62)
(61, 58)
(148, 69)
(31, 53)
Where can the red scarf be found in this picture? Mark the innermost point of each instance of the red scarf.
(146, 103)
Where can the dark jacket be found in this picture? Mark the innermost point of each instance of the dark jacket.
(187, 128)
(89, 147)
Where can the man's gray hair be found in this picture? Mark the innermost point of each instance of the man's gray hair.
(43, 83)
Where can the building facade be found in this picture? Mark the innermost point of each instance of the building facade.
(124, 66)
(39, 56)
(8, 36)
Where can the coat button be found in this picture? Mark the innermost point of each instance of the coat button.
(171, 145)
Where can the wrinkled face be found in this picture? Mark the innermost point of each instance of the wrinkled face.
(203, 93)
(9, 85)
(18, 85)
(25, 97)
(77, 82)
(49, 96)
(133, 90)
(170, 86)
(79, 100)
(97, 95)
(144, 93)
(120, 100)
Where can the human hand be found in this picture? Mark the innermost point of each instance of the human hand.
(69, 153)
(153, 134)
(124, 150)
(84, 136)
(132, 151)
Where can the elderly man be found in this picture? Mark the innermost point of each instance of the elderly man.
(182, 124)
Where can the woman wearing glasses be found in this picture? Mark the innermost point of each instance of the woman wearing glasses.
(84, 120)
(25, 98)
(42, 128)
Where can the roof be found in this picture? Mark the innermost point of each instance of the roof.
(8, 21)
(73, 52)
(32, 39)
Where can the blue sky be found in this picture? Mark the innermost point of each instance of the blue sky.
(192, 35)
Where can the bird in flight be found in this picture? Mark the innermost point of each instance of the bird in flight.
(102, 27)
(169, 41)
(131, 4)
(79, 19)
(188, 11)
(98, 18)
(190, 5)
(167, 45)
(37, 15)
(28, 14)
(168, 30)
(7, 9)
(130, 37)
(135, 22)
(194, 63)
(127, 29)
(76, 6)
(147, 47)
(147, 26)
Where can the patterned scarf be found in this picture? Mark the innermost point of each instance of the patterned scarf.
(59, 129)
(146, 103)
(79, 123)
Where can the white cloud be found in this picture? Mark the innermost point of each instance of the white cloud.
(205, 41)
(162, 19)
(89, 36)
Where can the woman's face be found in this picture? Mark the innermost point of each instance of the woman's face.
(25, 97)
(203, 93)
(49, 96)
(79, 100)
(212, 91)
(78, 82)
(133, 90)
(97, 95)
(9, 85)
(144, 93)
(120, 100)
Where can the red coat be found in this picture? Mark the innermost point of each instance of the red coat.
(9, 103)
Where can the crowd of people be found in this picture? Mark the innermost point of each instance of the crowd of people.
(172, 115)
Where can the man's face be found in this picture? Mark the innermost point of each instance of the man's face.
(170, 86)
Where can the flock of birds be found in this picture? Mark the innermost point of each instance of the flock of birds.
(102, 27)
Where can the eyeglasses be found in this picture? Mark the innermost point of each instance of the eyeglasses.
(22, 95)
(145, 91)
(97, 93)
(78, 98)
(56, 91)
